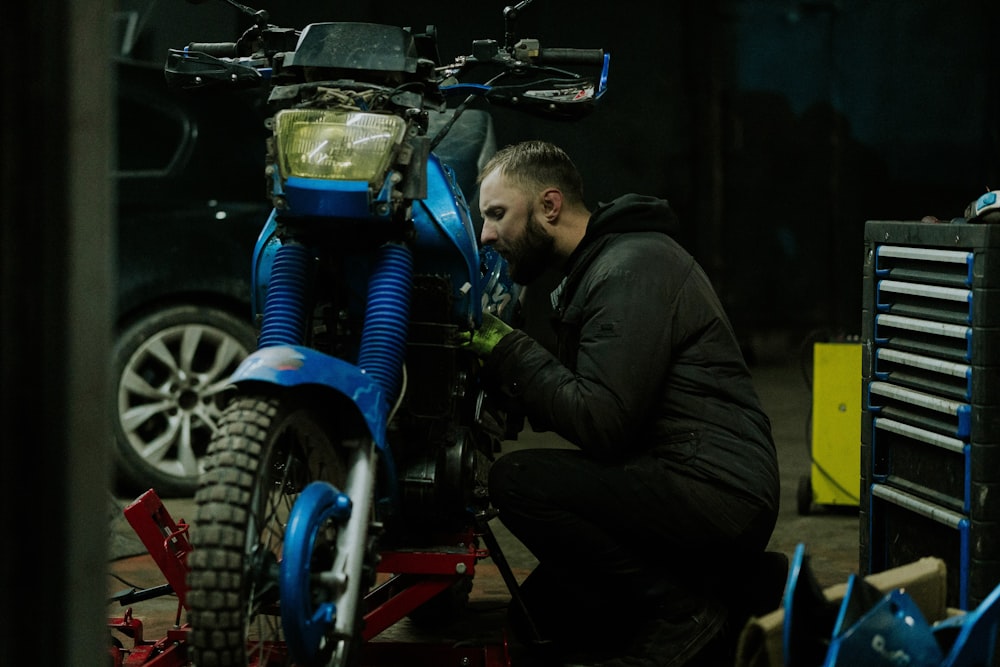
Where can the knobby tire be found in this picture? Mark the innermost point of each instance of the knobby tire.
(264, 453)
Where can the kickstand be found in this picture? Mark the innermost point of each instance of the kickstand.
(508, 577)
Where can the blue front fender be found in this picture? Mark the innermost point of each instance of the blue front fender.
(294, 365)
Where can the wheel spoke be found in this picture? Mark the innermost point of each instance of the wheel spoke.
(136, 384)
(157, 348)
(206, 414)
(217, 387)
(273, 523)
(226, 355)
(190, 341)
(135, 417)
(161, 445)
(187, 461)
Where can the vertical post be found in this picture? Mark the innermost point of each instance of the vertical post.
(56, 225)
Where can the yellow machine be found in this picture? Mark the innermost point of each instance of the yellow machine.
(835, 468)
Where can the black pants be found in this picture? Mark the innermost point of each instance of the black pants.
(623, 532)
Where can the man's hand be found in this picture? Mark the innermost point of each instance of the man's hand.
(489, 334)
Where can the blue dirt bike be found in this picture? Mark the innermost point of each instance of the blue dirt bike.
(358, 433)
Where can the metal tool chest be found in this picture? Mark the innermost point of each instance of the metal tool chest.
(930, 431)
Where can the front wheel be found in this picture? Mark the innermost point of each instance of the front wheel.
(266, 453)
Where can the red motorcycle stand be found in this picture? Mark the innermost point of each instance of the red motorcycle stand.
(412, 578)
(168, 546)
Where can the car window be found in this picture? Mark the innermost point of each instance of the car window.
(151, 139)
(154, 133)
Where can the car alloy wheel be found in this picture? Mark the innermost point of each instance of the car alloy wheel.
(171, 369)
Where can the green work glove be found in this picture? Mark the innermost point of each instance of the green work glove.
(489, 334)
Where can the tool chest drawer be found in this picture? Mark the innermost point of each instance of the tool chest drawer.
(907, 528)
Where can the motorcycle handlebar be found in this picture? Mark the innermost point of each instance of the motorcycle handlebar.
(217, 49)
(567, 56)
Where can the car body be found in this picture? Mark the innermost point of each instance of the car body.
(191, 201)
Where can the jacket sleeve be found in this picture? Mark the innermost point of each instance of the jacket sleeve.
(624, 351)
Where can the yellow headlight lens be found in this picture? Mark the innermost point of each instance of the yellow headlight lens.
(334, 144)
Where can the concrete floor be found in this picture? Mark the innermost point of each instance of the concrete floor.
(829, 532)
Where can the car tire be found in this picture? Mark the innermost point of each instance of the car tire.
(171, 366)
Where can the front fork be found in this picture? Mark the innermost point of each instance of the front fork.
(379, 371)
(352, 542)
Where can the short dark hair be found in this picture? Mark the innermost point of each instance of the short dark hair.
(536, 165)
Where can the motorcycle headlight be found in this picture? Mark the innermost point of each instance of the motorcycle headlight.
(335, 144)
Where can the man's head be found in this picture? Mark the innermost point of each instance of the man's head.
(531, 196)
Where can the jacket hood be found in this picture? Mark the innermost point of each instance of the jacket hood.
(633, 213)
(629, 213)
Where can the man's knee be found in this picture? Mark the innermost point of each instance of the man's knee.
(502, 477)
(521, 480)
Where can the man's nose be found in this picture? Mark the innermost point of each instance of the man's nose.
(489, 233)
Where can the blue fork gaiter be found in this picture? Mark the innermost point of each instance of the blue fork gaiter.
(387, 316)
(285, 303)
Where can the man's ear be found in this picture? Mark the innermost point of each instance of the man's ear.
(552, 202)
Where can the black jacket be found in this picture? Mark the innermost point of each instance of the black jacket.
(647, 360)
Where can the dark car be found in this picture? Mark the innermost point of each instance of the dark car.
(191, 202)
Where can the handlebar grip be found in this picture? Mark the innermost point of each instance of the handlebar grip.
(217, 49)
(561, 56)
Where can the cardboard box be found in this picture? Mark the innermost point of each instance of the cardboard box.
(761, 645)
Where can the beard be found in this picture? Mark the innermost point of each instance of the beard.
(530, 255)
